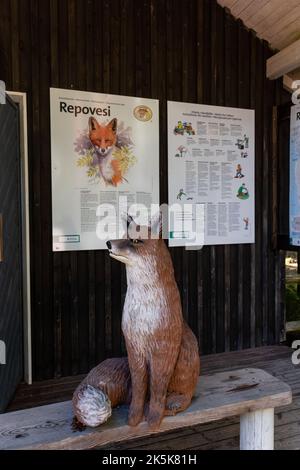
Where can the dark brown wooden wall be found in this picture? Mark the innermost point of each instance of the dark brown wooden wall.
(184, 50)
(282, 116)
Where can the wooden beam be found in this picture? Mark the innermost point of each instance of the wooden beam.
(288, 83)
(284, 61)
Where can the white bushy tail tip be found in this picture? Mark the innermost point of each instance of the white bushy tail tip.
(93, 406)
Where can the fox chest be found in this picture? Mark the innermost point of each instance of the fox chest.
(106, 167)
(141, 321)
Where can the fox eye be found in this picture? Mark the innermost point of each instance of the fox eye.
(136, 241)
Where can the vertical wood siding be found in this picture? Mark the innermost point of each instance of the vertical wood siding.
(10, 268)
(184, 50)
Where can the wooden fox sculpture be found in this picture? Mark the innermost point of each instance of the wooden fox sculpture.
(160, 375)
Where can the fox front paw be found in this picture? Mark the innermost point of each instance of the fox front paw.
(135, 417)
(173, 406)
(176, 403)
(154, 419)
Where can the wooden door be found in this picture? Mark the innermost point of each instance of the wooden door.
(11, 330)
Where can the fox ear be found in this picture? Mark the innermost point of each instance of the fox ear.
(156, 225)
(113, 124)
(93, 124)
(132, 230)
(126, 220)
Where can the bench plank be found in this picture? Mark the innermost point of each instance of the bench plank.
(218, 396)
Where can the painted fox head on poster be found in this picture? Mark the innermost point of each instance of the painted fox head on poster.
(106, 149)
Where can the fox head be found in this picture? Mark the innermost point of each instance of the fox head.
(143, 251)
(103, 137)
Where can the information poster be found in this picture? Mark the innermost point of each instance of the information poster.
(105, 153)
(211, 165)
(295, 176)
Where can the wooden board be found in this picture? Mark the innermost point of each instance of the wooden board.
(273, 20)
(224, 434)
(218, 396)
(284, 61)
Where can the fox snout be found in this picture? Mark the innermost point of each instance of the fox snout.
(103, 150)
(112, 245)
(118, 249)
(116, 246)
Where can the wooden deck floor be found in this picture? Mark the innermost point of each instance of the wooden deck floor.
(218, 435)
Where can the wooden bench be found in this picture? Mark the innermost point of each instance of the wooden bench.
(251, 393)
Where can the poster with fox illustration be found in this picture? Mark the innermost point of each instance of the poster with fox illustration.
(105, 158)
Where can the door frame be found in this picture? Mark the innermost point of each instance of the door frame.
(21, 100)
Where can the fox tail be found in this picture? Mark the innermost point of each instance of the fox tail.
(91, 405)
